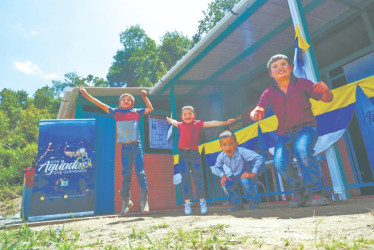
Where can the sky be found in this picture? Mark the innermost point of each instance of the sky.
(41, 40)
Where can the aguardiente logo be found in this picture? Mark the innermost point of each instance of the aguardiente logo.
(80, 165)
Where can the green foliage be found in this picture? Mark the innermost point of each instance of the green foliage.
(72, 79)
(215, 12)
(137, 63)
(19, 129)
(174, 46)
(26, 238)
(141, 62)
(47, 98)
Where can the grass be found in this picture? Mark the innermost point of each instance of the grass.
(26, 238)
(10, 200)
(212, 237)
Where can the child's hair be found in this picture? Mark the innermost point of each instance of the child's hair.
(127, 94)
(189, 108)
(276, 58)
(226, 134)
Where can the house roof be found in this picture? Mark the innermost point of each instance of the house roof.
(237, 49)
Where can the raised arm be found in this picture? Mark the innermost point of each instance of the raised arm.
(92, 99)
(148, 105)
(172, 121)
(321, 87)
(218, 123)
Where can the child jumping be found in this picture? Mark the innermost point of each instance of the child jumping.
(189, 156)
(230, 167)
(127, 121)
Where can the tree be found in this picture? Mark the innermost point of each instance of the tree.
(215, 12)
(47, 98)
(137, 63)
(174, 46)
(19, 123)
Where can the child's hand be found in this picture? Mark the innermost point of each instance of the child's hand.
(257, 114)
(83, 91)
(170, 121)
(320, 87)
(229, 121)
(224, 179)
(144, 93)
(247, 175)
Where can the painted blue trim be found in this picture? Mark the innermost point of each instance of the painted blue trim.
(367, 184)
(208, 182)
(353, 163)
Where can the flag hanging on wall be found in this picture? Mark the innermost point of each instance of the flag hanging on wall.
(300, 47)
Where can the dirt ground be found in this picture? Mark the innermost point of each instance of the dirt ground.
(274, 226)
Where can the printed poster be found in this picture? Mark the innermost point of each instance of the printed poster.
(64, 168)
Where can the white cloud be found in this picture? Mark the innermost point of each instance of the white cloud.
(51, 76)
(29, 68)
(34, 33)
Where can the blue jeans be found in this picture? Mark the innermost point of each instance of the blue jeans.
(190, 163)
(234, 186)
(299, 144)
(132, 154)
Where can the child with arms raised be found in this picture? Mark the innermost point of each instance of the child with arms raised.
(189, 156)
(127, 118)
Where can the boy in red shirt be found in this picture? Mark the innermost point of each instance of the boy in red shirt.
(297, 127)
(189, 156)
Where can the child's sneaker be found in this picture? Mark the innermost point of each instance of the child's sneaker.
(299, 201)
(319, 200)
(253, 206)
(187, 208)
(236, 207)
(126, 208)
(144, 201)
(203, 207)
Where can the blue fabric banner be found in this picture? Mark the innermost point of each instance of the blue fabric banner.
(365, 116)
(64, 168)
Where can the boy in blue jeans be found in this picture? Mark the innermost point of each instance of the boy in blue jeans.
(189, 156)
(230, 167)
(127, 121)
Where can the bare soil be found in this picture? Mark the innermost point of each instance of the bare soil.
(274, 226)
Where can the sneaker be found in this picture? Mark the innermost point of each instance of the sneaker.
(319, 200)
(253, 206)
(187, 208)
(299, 201)
(126, 209)
(203, 207)
(236, 207)
(144, 201)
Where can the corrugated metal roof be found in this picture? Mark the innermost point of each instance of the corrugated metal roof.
(238, 48)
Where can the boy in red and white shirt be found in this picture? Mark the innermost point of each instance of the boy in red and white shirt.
(189, 156)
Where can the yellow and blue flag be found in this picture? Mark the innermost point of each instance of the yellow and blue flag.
(300, 47)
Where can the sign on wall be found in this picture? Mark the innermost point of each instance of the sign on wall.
(158, 134)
